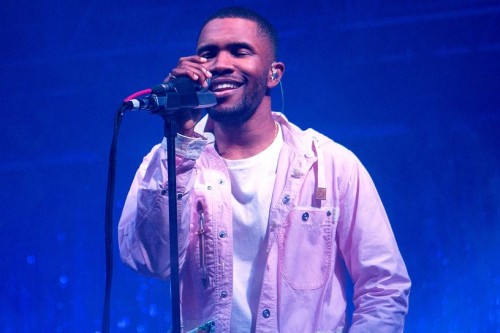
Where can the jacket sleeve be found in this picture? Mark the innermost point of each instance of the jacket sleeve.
(381, 281)
(143, 230)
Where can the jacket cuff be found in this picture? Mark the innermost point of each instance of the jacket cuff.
(187, 147)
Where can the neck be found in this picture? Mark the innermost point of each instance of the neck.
(243, 140)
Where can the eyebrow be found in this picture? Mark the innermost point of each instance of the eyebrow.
(231, 46)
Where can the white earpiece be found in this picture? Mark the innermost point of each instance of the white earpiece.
(274, 73)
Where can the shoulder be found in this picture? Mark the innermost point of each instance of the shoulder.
(309, 140)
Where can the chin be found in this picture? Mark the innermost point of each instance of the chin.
(229, 115)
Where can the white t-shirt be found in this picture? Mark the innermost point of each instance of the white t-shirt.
(252, 182)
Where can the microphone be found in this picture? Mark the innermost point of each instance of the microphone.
(170, 101)
(181, 93)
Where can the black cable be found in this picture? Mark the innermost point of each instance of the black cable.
(108, 222)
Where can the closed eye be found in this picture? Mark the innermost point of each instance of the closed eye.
(208, 51)
(208, 54)
(241, 52)
(236, 49)
(241, 49)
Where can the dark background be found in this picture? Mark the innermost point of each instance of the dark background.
(412, 87)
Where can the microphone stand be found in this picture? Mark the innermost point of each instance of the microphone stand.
(184, 97)
(170, 134)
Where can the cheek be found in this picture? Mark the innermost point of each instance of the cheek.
(255, 68)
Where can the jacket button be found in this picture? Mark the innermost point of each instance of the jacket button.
(222, 234)
(286, 199)
(305, 216)
(266, 313)
(223, 294)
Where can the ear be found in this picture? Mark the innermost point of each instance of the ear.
(276, 71)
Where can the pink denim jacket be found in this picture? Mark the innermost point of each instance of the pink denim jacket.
(326, 220)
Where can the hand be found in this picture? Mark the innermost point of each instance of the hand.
(193, 68)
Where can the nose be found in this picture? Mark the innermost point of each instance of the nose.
(222, 63)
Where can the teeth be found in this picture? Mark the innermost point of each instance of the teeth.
(221, 86)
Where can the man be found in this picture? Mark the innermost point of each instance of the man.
(282, 212)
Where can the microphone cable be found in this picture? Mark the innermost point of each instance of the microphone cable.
(108, 220)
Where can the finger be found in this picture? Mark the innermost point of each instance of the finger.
(192, 63)
(194, 59)
(197, 68)
(195, 72)
(192, 67)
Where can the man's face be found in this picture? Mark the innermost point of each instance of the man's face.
(238, 58)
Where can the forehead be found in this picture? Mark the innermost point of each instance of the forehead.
(224, 31)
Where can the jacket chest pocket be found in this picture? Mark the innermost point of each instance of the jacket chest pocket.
(305, 247)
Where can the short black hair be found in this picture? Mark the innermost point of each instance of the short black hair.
(265, 27)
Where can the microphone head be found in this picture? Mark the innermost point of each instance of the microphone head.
(163, 88)
(171, 86)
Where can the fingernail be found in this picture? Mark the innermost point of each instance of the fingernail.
(195, 76)
(203, 59)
